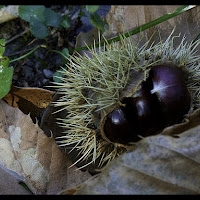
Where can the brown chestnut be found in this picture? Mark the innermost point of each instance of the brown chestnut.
(170, 87)
(162, 100)
(148, 113)
(118, 128)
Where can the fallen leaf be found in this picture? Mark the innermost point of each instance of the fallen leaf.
(10, 185)
(160, 165)
(37, 96)
(29, 100)
(87, 38)
(49, 119)
(8, 13)
(30, 156)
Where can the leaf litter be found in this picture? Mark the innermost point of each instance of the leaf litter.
(160, 165)
(36, 159)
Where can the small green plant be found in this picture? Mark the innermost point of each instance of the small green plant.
(6, 73)
(57, 76)
(40, 17)
(95, 19)
(92, 8)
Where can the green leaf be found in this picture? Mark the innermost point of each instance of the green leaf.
(65, 21)
(51, 18)
(92, 8)
(27, 13)
(97, 21)
(6, 75)
(38, 29)
(81, 14)
(2, 47)
(4, 62)
(65, 55)
(57, 76)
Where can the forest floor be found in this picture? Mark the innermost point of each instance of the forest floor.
(37, 69)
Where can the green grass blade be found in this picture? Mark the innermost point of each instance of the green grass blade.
(30, 52)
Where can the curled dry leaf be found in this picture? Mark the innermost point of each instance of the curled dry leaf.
(29, 155)
(50, 127)
(37, 96)
(29, 100)
(49, 119)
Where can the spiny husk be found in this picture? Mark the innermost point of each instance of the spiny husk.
(93, 86)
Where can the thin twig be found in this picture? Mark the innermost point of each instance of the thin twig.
(16, 36)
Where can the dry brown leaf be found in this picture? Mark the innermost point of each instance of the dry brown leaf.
(50, 126)
(10, 185)
(8, 13)
(29, 100)
(87, 38)
(160, 165)
(154, 167)
(49, 119)
(33, 157)
(37, 96)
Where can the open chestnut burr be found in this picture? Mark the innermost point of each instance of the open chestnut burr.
(162, 100)
(125, 92)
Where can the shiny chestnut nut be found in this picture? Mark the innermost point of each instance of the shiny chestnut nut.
(162, 100)
(117, 127)
(148, 113)
(169, 85)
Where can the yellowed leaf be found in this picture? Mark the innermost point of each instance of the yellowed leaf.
(37, 96)
(29, 100)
